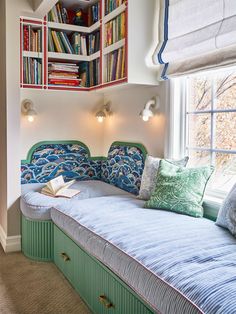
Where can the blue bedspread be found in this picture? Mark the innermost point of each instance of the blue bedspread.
(178, 264)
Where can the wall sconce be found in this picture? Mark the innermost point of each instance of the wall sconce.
(27, 108)
(150, 108)
(104, 112)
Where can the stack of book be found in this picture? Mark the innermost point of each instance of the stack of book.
(111, 5)
(32, 40)
(94, 72)
(66, 74)
(32, 71)
(93, 43)
(79, 44)
(115, 65)
(115, 30)
(59, 42)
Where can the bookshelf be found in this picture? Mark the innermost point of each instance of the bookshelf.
(87, 45)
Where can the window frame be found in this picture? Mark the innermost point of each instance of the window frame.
(180, 90)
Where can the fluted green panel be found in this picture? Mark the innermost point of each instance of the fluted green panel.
(92, 279)
(37, 239)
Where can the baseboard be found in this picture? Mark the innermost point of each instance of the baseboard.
(10, 244)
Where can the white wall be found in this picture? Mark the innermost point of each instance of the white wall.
(63, 116)
(3, 102)
(126, 124)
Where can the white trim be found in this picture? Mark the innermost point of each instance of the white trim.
(10, 244)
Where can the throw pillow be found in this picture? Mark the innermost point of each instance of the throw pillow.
(180, 189)
(227, 214)
(148, 181)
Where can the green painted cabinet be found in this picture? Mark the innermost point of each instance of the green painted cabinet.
(102, 290)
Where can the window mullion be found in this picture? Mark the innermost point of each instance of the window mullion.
(213, 122)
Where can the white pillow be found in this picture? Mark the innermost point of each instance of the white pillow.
(151, 166)
(227, 214)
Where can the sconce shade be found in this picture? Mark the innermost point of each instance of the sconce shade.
(104, 112)
(100, 115)
(27, 108)
(150, 108)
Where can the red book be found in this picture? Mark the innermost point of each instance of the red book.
(26, 38)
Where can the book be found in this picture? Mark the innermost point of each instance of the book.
(115, 65)
(111, 5)
(32, 71)
(32, 39)
(115, 30)
(57, 187)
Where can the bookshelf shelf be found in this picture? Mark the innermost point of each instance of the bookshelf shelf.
(115, 46)
(72, 57)
(112, 64)
(69, 28)
(32, 54)
(115, 13)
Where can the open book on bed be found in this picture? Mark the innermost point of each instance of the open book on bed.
(59, 188)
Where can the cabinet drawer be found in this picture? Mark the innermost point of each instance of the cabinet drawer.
(102, 290)
(64, 254)
(105, 293)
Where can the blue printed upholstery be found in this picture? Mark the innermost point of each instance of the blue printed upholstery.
(124, 167)
(51, 160)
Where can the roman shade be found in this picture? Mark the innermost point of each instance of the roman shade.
(195, 35)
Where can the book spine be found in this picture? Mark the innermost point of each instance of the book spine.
(56, 42)
(68, 43)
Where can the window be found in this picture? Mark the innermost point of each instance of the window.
(210, 133)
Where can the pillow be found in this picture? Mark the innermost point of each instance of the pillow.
(180, 189)
(149, 175)
(227, 214)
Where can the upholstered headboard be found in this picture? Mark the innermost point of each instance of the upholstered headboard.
(123, 167)
(47, 160)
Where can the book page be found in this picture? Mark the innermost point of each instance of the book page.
(68, 193)
(56, 184)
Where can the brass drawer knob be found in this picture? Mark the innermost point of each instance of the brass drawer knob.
(65, 256)
(104, 300)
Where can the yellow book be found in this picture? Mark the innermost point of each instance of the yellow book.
(123, 25)
(123, 64)
(56, 41)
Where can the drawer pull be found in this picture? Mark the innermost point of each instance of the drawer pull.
(103, 299)
(65, 256)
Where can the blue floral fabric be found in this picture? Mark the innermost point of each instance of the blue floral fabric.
(51, 160)
(124, 167)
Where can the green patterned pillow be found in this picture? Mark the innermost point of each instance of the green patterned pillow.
(180, 189)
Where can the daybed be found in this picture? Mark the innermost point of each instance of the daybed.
(121, 257)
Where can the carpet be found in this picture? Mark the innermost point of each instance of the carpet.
(33, 287)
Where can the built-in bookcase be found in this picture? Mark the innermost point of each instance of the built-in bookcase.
(85, 45)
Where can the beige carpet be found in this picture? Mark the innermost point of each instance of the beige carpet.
(32, 287)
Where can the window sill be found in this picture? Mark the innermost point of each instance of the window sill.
(211, 205)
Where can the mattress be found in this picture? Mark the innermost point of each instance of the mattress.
(177, 264)
(37, 206)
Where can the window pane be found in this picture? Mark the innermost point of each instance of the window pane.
(225, 175)
(225, 91)
(199, 130)
(199, 93)
(225, 137)
(198, 158)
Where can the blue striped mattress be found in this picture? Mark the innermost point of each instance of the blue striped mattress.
(176, 263)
